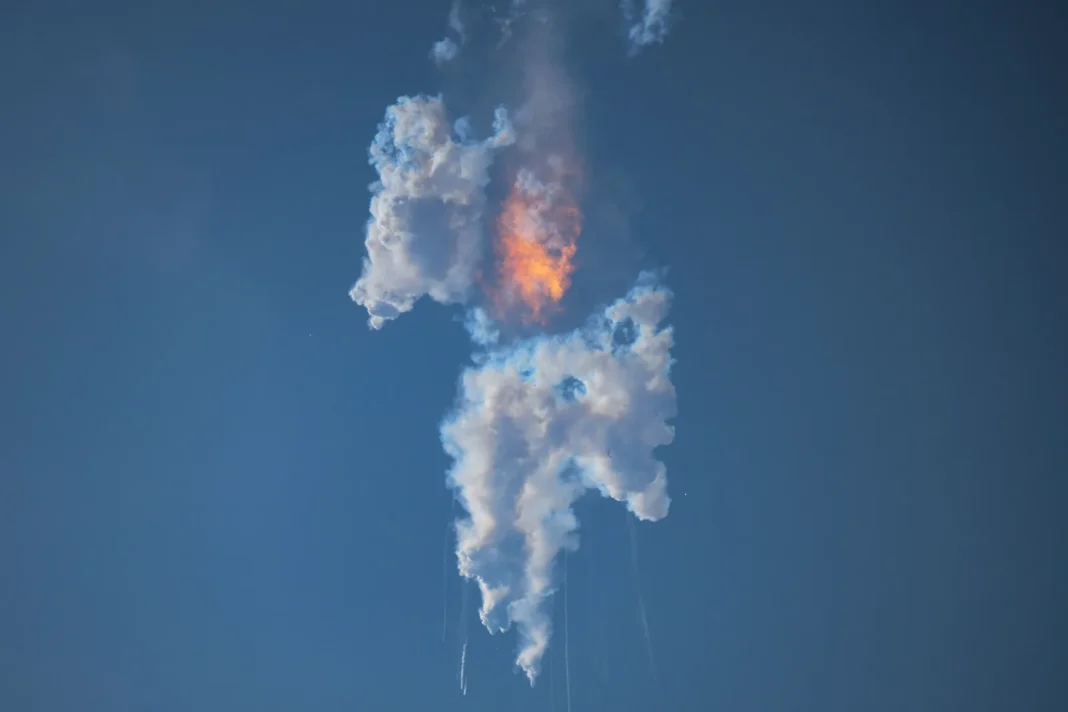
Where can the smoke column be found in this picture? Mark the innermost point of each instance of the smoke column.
(541, 418)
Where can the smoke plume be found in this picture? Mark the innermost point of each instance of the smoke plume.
(538, 425)
(544, 419)
(425, 233)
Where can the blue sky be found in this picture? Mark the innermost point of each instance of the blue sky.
(220, 491)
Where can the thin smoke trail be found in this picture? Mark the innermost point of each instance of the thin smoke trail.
(648, 640)
(641, 599)
(463, 636)
(567, 657)
(463, 670)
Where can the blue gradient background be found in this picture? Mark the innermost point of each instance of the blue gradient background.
(220, 491)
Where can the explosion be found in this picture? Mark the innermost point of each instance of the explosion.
(542, 416)
(537, 232)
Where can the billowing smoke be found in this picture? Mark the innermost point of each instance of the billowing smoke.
(540, 423)
(543, 419)
(425, 233)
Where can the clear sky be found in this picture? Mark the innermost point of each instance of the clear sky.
(219, 490)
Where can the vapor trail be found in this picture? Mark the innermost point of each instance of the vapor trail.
(567, 658)
(463, 637)
(641, 600)
(463, 667)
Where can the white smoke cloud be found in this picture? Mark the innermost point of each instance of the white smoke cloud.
(425, 234)
(481, 328)
(537, 425)
(648, 27)
(446, 49)
(541, 421)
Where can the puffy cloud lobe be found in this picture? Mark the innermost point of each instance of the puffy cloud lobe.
(444, 50)
(425, 234)
(652, 24)
(481, 328)
(538, 424)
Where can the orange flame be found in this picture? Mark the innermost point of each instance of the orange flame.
(536, 234)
